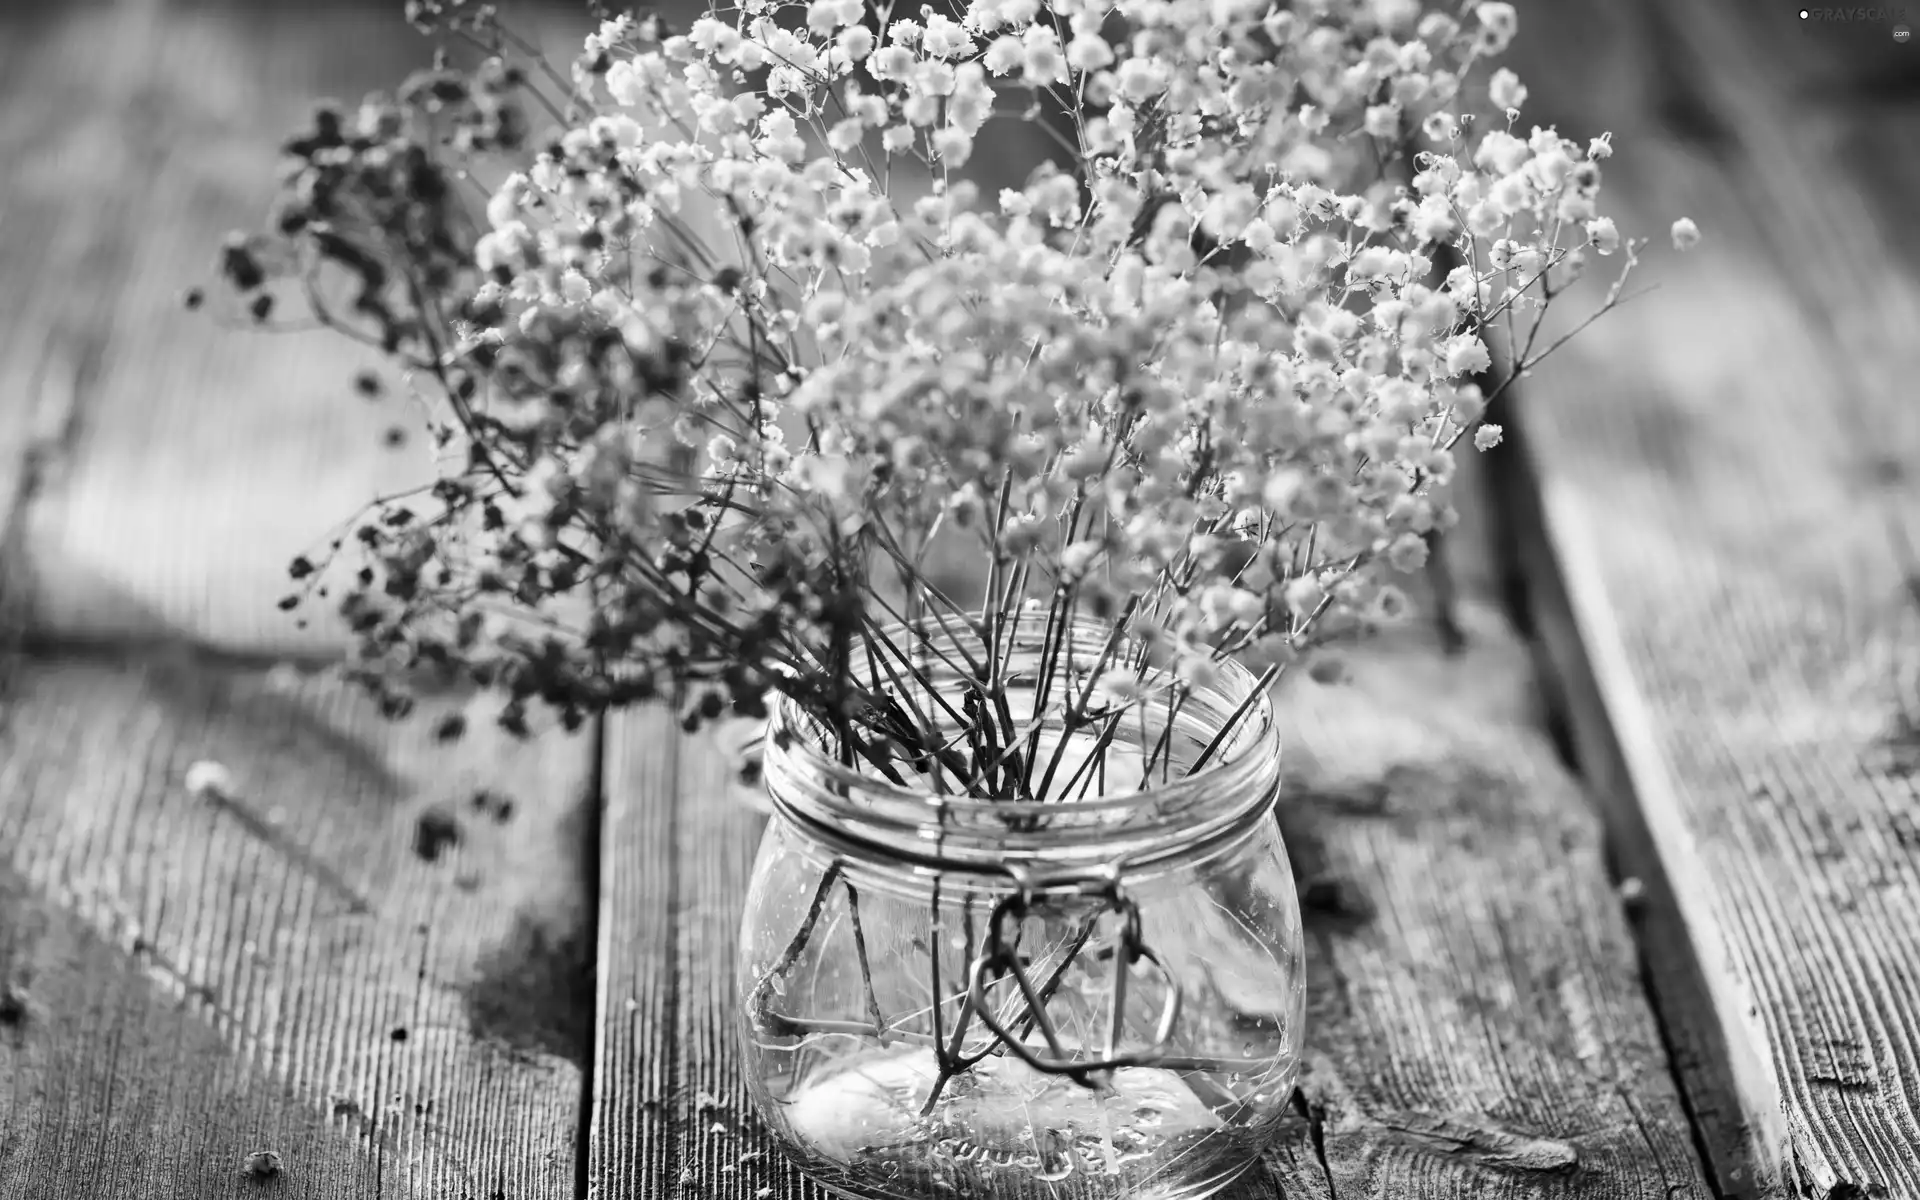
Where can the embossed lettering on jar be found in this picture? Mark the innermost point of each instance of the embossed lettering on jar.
(1099, 995)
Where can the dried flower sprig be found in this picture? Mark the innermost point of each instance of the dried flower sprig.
(722, 362)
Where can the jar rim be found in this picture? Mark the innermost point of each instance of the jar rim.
(855, 805)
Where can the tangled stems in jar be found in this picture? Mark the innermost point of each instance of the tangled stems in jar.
(998, 960)
(1001, 1003)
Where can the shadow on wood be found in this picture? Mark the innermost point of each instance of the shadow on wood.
(289, 906)
(115, 1087)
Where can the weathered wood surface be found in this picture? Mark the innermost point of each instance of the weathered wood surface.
(390, 934)
(110, 1088)
(371, 955)
(1726, 481)
(383, 930)
(1476, 1022)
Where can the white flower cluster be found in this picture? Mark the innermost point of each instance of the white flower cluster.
(1207, 376)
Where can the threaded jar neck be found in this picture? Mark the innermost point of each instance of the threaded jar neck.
(1113, 812)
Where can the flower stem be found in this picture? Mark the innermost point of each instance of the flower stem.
(866, 970)
(757, 1002)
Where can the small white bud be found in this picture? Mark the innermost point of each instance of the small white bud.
(209, 781)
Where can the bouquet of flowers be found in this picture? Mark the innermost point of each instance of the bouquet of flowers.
(729, 365)
(737, 352)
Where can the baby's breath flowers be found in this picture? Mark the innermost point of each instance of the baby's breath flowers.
(726, 349)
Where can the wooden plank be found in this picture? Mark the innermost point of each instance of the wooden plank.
(636, 1050)
(380, 958)
(388, 932)
(1724, 477)
(67, 222)
(1477, 1026)
(110, 1088)
(175, 465)
(1476, 1021)
(670, 1102)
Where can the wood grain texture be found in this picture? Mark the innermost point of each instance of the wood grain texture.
(108, 1087)
(670, 1104)
(390, 935)
(634, 1134)
(1476, 1023)
(1726, 479)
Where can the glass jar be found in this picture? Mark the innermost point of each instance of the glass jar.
(962, 995)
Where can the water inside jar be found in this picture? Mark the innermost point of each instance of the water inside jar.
(999, 1126)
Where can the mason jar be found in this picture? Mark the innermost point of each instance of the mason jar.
(964, 995)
